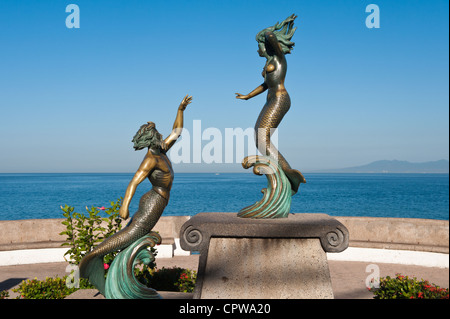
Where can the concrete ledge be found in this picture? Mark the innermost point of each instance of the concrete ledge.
(398, 233)
(38, 234)
(384, 234)
(396, 246)
(38, 241)
(30, 233)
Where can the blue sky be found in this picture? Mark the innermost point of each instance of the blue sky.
(72, 99)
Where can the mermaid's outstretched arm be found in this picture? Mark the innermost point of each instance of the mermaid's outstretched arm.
(147, 166)
(178, 124)
(260, 89)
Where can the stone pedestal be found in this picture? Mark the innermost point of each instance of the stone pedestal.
(244, 258)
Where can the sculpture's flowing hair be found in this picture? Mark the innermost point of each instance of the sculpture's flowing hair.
(284, 32)
(147, 136)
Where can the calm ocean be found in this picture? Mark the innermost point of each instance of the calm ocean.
(29, 196)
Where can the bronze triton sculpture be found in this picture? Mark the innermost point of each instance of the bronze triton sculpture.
(273, 44)
(137, 235)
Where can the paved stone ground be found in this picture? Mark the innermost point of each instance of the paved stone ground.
(348, 278)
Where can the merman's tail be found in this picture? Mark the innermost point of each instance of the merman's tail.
(150, 209)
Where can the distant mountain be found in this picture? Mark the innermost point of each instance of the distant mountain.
(395, 166)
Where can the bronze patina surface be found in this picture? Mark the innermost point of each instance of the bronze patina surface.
(283, 181)
(273, 44)
(157, 168)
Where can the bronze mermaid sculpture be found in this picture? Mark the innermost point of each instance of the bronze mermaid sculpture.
(155, 166)
(273, 44)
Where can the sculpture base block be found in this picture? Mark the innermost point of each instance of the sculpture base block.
(263, 268)
(272, 258)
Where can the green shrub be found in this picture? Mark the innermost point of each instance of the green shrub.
(83, 232)
(403, 287)
(50, 288)
(164, 279)
(4, 294)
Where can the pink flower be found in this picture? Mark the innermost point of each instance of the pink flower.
(106, 266)
(101, 208)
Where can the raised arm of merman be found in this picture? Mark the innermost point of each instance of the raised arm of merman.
(178, 124)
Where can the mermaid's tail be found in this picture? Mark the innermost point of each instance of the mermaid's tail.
(294, 176)
(150, 209)
(268, 120)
